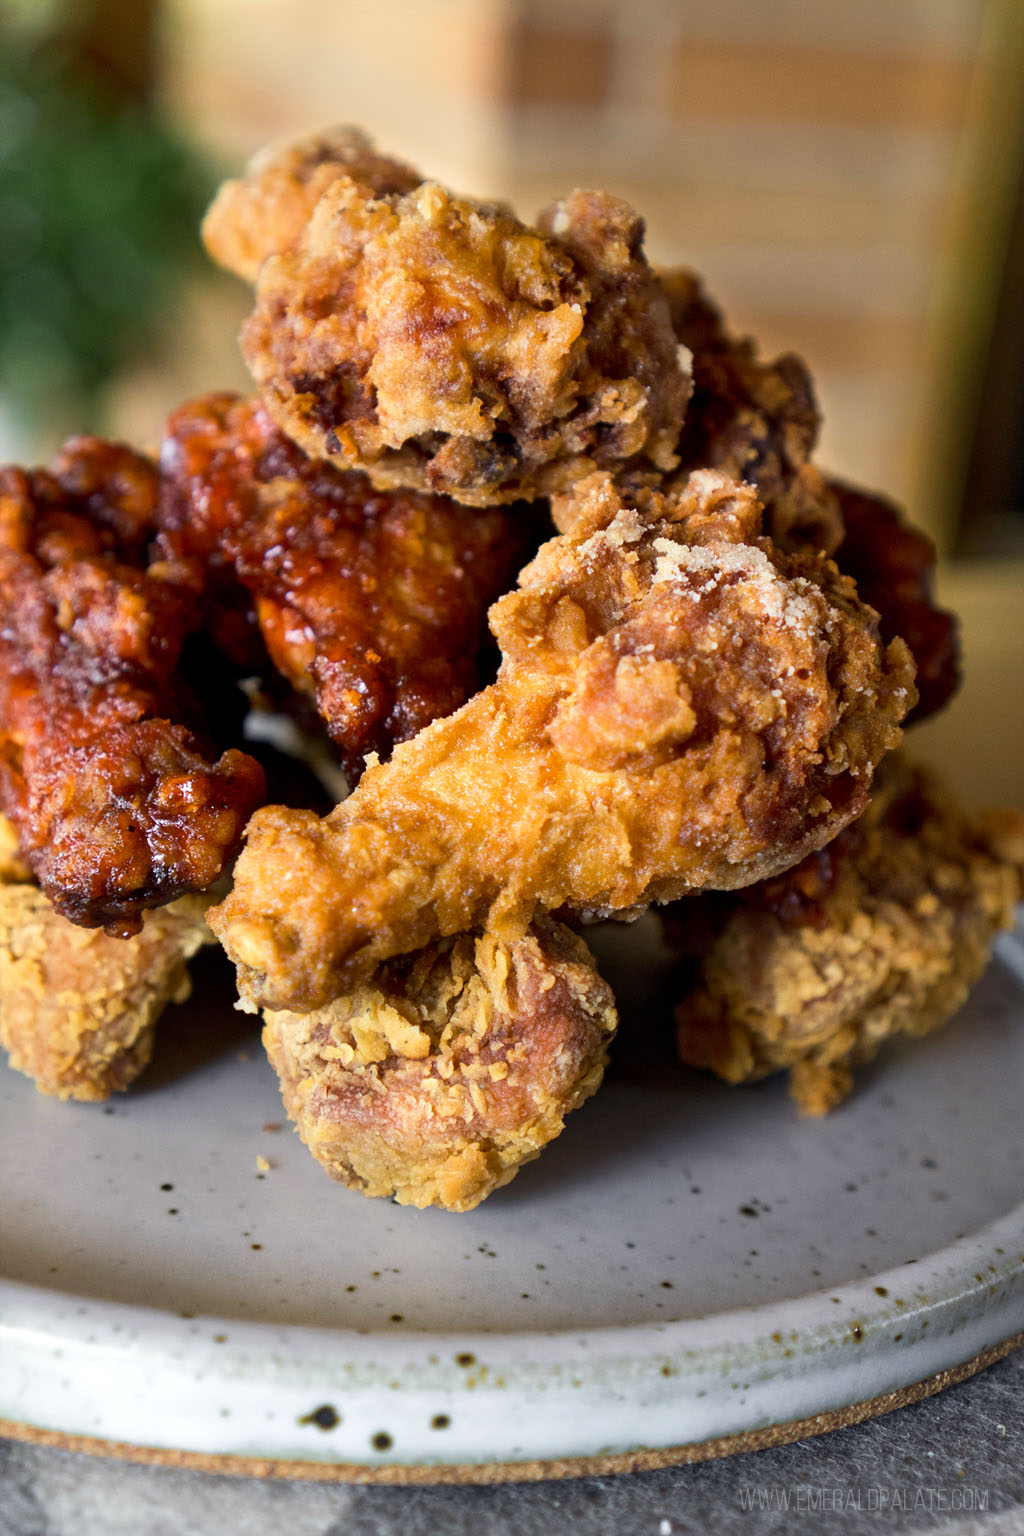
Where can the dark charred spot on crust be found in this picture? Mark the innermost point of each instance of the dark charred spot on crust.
(329, 400)
(464, 462)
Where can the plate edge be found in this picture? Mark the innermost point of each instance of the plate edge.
(493, 1472)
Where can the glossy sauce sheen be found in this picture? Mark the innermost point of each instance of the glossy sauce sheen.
(372, 603)
(117, 802)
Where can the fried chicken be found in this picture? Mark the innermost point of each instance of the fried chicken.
(754, 420)
(893, 565)
(77, 1008)
(679, 706)
(437, 1079)
(266, 211)
(881, 933)
(759, 421)
(372, 602)
(116, 804)
(438, 343)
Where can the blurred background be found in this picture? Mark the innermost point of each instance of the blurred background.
(846, 174)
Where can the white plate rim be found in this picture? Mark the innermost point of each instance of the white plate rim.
(508, 1397)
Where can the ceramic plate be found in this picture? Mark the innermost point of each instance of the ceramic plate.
(687, 1262)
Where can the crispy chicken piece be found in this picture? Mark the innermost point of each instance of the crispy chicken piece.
(438, 1078)
(754, 420)
(679, 706)
(893, 565)
(116, 805)
(372, 602)
(881, 933)
(77, 1008)
(759, 421)
(440, 344)
(266, 211)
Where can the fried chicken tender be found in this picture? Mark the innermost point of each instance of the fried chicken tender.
(438, 343)
(438, 1078)
(374, 603)
(77, 1008)
(115, 803)
(679, 706)
(881, 933)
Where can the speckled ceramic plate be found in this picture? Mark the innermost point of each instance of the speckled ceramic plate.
(688, 1262)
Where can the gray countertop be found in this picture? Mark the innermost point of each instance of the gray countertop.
(951, 1463)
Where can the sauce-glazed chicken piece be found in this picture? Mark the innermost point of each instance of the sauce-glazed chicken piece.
(372, 603)
(118, 804)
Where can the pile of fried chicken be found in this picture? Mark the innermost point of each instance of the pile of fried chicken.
(518, 530)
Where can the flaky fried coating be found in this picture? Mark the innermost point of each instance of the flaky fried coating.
(893, 565)
(679, 706)
(77, 1009)
(435, 1081)
(372, 602)
(438, 343)
(117, 806)
(754, 420)
(266, 211)
(881, 933)
(759, 422)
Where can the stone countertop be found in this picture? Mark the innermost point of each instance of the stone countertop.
(954, 1462)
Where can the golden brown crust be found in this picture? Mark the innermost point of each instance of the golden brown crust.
(759, 421)
(436, 1080)
(266, 211)
(677, 709)
(77, 1008)
(882, 933)
(440, 344)
(755, 420)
